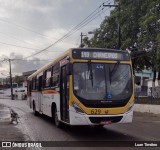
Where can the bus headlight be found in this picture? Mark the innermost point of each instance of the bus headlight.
(77, 108)
(130, 108)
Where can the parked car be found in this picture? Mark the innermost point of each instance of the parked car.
(20, 93)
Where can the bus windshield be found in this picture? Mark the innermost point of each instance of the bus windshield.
(108, 82)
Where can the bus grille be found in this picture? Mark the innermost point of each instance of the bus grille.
(99, 119)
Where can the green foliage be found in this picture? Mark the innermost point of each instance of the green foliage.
(139, 22)
(18, 79)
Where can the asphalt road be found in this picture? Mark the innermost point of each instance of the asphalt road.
(145, 127)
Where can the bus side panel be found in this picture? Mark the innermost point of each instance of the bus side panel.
(39, 101)
(47, 100)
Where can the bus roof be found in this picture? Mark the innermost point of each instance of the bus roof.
(69, 52)
(49, 64)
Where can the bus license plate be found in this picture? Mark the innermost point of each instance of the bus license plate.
(105, 122)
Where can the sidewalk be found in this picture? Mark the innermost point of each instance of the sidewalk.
(154, 109)
(8, 130)
(5, 115)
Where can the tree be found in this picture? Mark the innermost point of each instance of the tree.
(140, 23)
(18, 79)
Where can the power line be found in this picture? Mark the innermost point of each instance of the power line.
(87, 20)
(18, 40)
(27, 29)
(21, 59)
(119, 28)
(100, 16)
(13, 37)
(54, 51)
(84, 22)
(18, 46)
(24, 47)
(77, 43)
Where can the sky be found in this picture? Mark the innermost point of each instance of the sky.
(28, 26)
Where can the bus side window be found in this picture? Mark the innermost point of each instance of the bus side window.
(55, 79)
(47, 78)
(55, 76)
(43, 79)
(34, 83)
(37, 84)
(30, 86)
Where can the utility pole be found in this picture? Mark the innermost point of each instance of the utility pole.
(82, 37)
(10, 78)
(119, 28)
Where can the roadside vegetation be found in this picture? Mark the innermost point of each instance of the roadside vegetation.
(139, 23)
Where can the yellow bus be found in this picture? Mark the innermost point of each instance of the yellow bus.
(84, 86)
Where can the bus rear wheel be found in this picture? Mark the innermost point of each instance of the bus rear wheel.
(56, 120)
(34, 110)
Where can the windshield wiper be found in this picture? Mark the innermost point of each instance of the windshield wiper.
(112, 72)
(90, 72)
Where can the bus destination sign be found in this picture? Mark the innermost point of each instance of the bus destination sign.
(100, 55)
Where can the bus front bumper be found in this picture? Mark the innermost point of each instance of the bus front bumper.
(84, 119)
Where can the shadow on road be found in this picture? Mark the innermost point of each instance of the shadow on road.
(91, 133)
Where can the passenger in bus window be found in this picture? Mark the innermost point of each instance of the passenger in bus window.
(78, 81)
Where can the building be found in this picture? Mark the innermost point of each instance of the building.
(143, 83)
(26, 75)
(141, 78)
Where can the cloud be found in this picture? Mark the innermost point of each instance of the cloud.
(19, 65)
(20, 19)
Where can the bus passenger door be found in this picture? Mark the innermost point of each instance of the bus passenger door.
(40, 93)
(64, 97)
(29, 91)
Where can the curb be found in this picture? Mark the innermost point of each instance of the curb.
(155, 109)
(5, 115)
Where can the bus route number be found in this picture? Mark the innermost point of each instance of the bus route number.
(95, 111)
